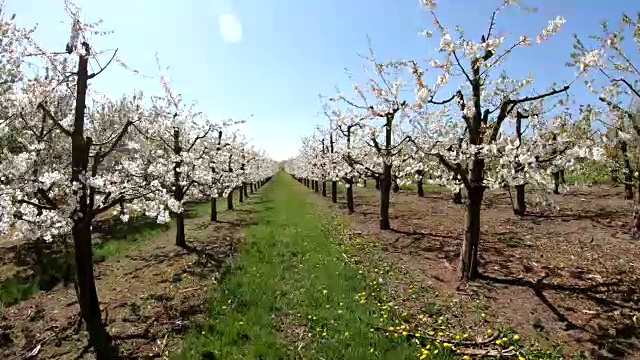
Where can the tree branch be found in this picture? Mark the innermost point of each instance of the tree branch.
(53, 118)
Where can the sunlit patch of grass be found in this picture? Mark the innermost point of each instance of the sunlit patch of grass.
(293, 266)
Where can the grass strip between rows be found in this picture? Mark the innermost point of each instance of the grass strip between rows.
(292, 293)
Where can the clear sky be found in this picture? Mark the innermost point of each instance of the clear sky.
(271, 58)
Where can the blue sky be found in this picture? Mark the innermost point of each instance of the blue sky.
(288, 51)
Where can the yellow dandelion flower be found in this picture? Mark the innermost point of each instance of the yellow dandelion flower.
(516, 337)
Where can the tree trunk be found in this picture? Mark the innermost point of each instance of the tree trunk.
(251, 188)
(244, 188)
(520, 206)
(324, 188)
(230, 200)
(316, 186)
(87, 294)
(364, 182)
(178, 191)
(636, 215)
(240, 195)
(377, 183)
(396, 187)
(628, 189)
(334, 192)
(385, 195)
(628, 172)
(457, 197)
(99, 338)
(420, 174)
(468, 266)
(350, 195)
(556, 182)
(214, 209)
(181, 241)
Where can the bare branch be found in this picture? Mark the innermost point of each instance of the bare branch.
(103, 68)
(53, 118)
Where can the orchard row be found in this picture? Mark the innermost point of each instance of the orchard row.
(70, 156)
(475, 128)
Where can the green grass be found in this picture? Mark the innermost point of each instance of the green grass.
(16, 289)
(123, 236)
(591, 172)
(292, 292)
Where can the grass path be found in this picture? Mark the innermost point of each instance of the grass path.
(292, 293)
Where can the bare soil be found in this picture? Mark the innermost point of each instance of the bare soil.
(149, 295)
(571, 276)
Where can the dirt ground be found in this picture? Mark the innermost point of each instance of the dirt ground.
(149, 296)
(570, 276)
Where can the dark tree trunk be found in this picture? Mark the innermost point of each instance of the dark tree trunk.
(87, 294)
(556, 182)
(520, 206)
(324, 188)
(628, 173)
(244, 188)
(251, 188)
(316, 186)
(469, 255)
(628, 189)
(181, 241)
(364, 182)
(334, 191)
(385, 195)
(614, 175)
(99, 338)
(240, 195)
(214, 209)
(457, 197)
(396, 187)
(350, 195)
(377, 183)
(468, 266)
(230, 200)
(178, 191)
(636, 215)
(420, 174)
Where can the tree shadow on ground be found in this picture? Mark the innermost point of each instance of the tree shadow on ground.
(608, 340)
(580, 215)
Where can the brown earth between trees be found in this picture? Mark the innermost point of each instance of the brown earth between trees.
(572, 276)
(149, 296)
